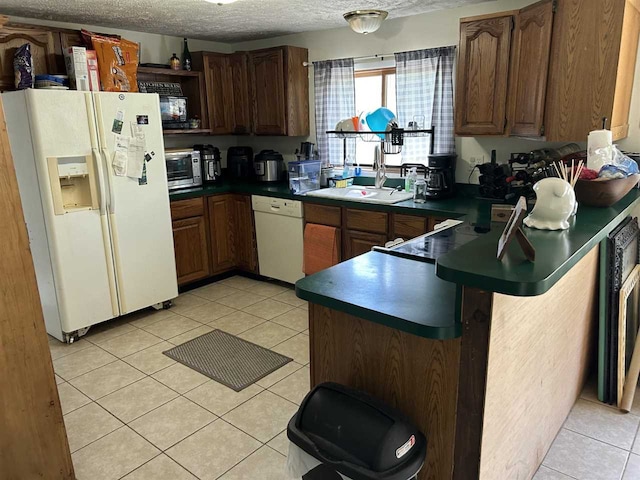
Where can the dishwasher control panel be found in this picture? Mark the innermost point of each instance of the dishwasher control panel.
(277, 206)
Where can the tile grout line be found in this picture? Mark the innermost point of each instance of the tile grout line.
(558, 471)
(179, 394)
(65, 380)
(597, 440)
(626, 463)
(102, 436)
(607, 406)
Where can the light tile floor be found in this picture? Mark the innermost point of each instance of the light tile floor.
(596, 442)
(133, 413)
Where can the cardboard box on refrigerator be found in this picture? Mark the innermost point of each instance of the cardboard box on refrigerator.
(75, 58)
(92, 68)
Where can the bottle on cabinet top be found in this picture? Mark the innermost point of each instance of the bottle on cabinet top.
(186, 57)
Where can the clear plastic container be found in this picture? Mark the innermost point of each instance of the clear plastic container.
(420, 191)
(304, 176)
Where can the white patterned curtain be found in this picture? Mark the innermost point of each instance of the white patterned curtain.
(334, 84)
(424, 92)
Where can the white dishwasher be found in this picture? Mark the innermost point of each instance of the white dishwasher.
(279, 232)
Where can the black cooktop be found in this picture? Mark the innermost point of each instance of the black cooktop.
(428, 247)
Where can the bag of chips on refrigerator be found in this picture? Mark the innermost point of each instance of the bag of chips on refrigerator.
(23, 67)
(117, 63)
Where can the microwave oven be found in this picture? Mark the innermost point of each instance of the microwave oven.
(184, 168)
(173, 112)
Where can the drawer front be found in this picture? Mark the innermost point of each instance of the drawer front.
(409, 226)
(366, 221)
(322, 215)
(193, 207)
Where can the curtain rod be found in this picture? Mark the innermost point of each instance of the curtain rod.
(368, 57)
(364, 57)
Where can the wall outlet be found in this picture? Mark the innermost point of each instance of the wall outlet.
(475, 161)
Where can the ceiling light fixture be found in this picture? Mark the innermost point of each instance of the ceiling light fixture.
(221, 2)
(365, 21)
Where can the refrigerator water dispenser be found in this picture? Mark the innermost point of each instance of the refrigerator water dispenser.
(73, 184)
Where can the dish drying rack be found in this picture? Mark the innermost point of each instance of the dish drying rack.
(391, 141)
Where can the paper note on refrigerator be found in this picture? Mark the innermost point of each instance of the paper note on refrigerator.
(135, 158)
(120, 156)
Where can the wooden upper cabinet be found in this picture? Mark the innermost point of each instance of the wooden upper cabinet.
(483, 73)
(241, 119)
(63, 39)
(43, 51)
(265, 92)
(219, 88)
(626, 69)
(529, 69)
(280, 91)
(572, 64)
(267, 80)
(593, 57)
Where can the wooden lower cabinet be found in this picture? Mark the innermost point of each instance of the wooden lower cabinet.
(216, 234)
(244, 238)
(213, 235)
(221, 223)
(408, 226)
(356, 243)
(361, 230)
(190, 244)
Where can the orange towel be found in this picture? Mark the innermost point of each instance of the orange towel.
(320, 248)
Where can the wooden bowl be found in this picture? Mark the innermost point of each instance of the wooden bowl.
(604, 193)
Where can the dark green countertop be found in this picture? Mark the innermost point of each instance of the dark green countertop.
(420, 298)
(463, 204)
(280, 190)
(475, 263)
(399, 293)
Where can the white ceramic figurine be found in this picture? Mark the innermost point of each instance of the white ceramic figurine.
(556, 202)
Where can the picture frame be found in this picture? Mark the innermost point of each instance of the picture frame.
(629, 297)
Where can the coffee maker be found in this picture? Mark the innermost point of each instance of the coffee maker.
(240, 162)
(441, 175)
(211, 164)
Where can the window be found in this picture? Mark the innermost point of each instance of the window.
(375, 89)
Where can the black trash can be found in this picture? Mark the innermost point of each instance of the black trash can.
(341, 433)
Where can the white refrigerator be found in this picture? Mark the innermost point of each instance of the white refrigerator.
(101, 243)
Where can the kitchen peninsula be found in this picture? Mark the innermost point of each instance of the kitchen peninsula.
(486, 357)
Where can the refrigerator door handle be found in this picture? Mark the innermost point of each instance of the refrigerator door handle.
(106, 235)
(112, 197)
(100, 172)
(114, 234)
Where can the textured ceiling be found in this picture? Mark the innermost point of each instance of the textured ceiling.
(243, 20)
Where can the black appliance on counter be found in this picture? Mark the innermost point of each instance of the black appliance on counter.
(441, 175)
(211, 163)
(240, 162)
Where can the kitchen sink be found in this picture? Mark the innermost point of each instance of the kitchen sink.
(363, 194)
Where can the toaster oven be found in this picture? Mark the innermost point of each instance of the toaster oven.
(184, 168)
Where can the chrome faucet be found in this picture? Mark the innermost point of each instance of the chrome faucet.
(381, 170)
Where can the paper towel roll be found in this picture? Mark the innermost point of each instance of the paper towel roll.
(599, 149)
